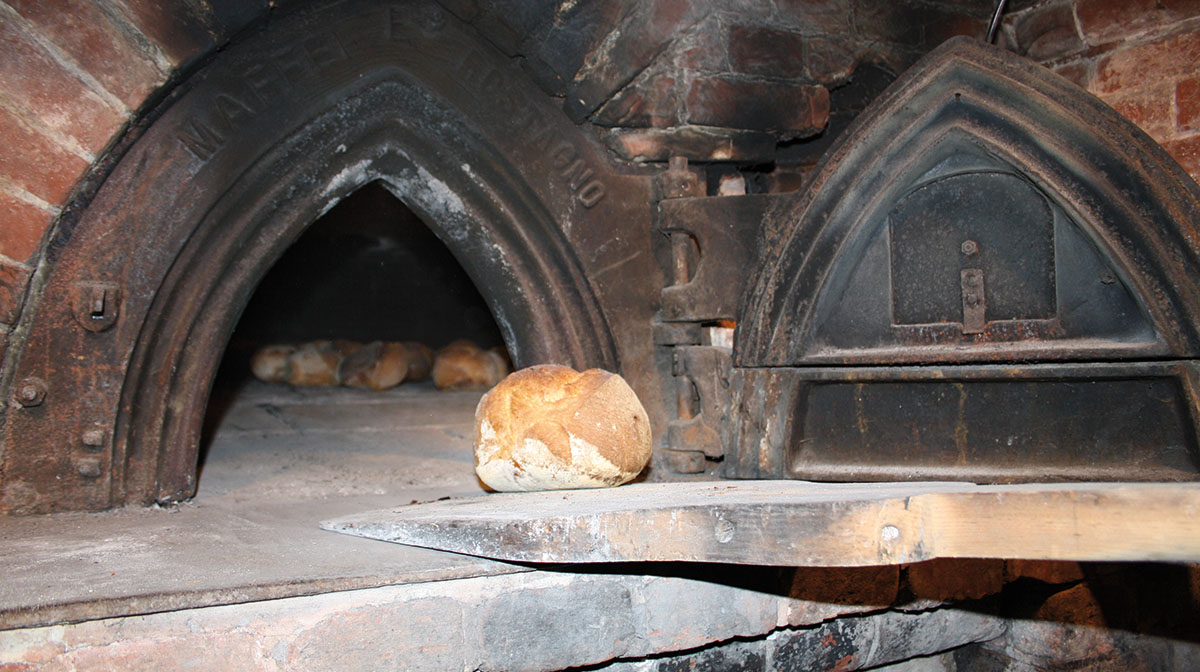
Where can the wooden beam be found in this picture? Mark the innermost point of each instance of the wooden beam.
(796, 523)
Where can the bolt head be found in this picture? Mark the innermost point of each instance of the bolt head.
(30, 392)
(969, 247)
(93, 437)
(89, 467)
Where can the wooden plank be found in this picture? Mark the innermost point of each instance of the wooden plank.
(795, 523)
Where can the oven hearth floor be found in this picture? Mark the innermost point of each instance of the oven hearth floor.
(281, 460)
(242, 577)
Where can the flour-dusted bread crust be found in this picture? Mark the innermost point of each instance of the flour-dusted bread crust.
(551, 427)
(272, 364)
(315, 364)
(375, 366)
(462, 365)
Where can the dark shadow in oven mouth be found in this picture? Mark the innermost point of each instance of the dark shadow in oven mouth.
(367, 270)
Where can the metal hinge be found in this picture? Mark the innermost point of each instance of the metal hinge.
(702, 374)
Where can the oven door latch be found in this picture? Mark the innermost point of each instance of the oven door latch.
(96, 304)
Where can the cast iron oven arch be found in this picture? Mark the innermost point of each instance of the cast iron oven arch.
(1125, 192)
(522, 266)
(243, 156)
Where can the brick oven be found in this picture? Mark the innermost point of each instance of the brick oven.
(840, 241)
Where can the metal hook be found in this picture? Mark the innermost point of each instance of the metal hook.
(991, 34)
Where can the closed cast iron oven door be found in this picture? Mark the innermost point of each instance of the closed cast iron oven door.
(991, 277)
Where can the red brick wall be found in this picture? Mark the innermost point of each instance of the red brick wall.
(72, 73)
(1140, 56)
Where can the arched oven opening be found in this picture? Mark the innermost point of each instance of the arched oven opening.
(369, 276)
(230, 170)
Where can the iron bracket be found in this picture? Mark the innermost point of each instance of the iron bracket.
(724, 231)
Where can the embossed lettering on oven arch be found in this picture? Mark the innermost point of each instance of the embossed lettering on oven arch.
(537, 132)
(579, 177)
(204, 134)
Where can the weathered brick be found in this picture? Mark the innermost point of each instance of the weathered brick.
(703, 48)
(829, 61)
(766, 51)
(14, 278)
(1105, 21)
(821, 593)
(21, 227)
(1149, 108)
(183, 29)
(942, 24)
(561, 46)
(816, 17)
(1187, 105)
(679, 616)
(651, 100)
(913, 24)
(86, 33)
(1051, 638)
(227, 651)
(791, 110)
(622, 53)
(557, 627)
(697, 143)
(955, 578)
(29, 75)
(38, 651)
(1134, 66)
(1048, 31)
(34, 162)
(418, 635)
(1077, 72)
(1187, 152)
(1043, 570)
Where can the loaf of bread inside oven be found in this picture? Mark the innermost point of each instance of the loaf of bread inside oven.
(315, 364)
(419, 358)
(463, 365)
(273, 364)
(380, 365)
(551, 427)
(375, 366)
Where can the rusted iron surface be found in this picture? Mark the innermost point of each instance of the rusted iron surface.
(142, 286)
(794, 523)
(725, 231)
(994, 423)
(702, 374)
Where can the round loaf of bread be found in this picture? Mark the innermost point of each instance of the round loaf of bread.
(272, 363)
(462, 365)
(551, 428)
(419, 358)
(314, 364)
(375, 366)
